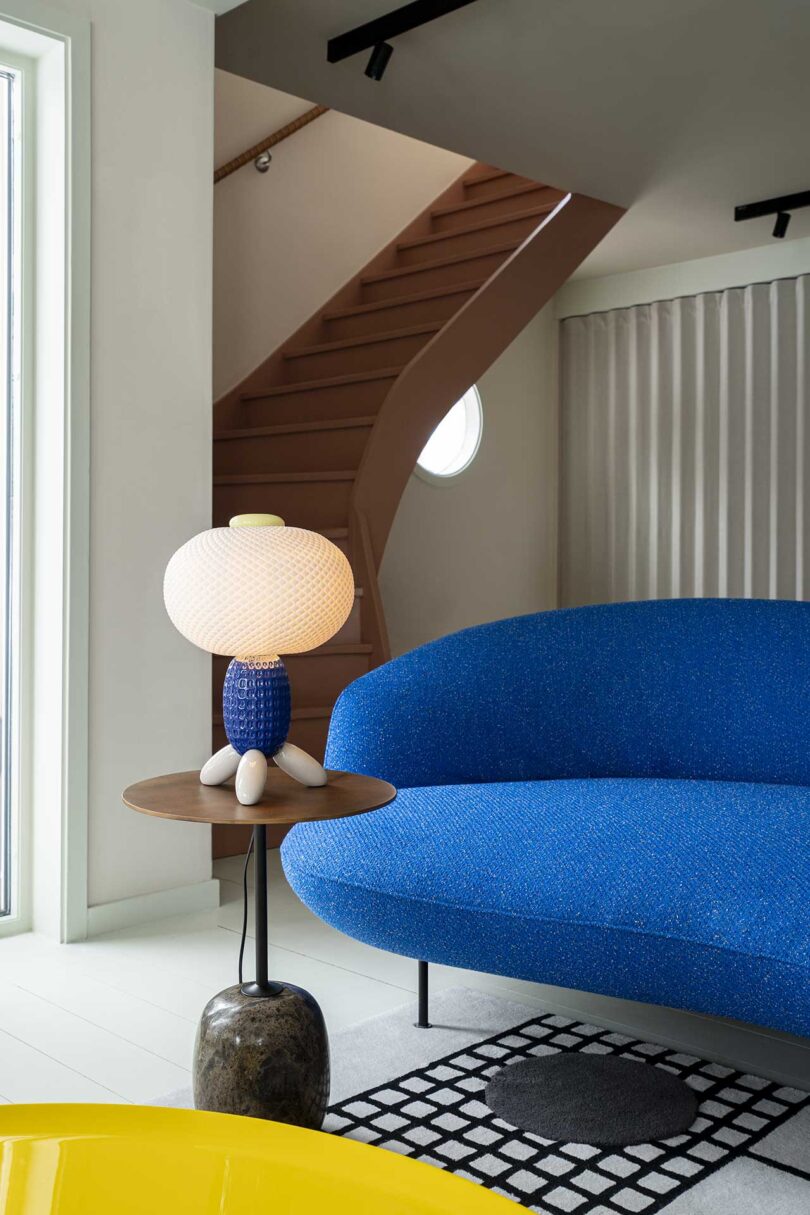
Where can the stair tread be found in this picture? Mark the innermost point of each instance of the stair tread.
(421, 267)
(279, 477)
(453, 233)
(290, 428)
(398, 300)
(331, 381)
(492, 175)
(366, 340)
(525, 188)
(332, 533)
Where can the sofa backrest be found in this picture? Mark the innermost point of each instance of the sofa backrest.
(706, 688)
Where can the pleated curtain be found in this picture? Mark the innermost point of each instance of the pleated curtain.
(685, 447)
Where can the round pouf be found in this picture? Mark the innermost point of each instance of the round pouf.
(596, 1099)
(263, 1056)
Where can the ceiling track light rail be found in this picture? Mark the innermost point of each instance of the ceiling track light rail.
(780, 207)
(375, 35)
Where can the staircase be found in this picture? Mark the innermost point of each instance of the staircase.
(327, 430)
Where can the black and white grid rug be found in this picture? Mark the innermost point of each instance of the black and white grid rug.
(419, 1093)
(747, 1152)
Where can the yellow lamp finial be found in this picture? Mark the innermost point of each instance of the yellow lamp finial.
(256, 520)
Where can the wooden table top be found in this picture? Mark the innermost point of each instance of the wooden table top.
(181, 796)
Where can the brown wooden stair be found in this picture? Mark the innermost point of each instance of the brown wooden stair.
(327, 430)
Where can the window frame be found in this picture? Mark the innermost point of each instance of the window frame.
(16, 694)
(471, 397)
(51, 48)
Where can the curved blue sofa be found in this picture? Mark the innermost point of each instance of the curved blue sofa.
(614, 799)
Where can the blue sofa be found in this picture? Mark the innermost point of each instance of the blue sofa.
(614, 799)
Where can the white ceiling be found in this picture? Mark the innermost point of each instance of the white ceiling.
(679, 109)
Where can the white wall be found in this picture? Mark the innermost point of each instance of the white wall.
(484, 544)
(287, 240)
(152, 159)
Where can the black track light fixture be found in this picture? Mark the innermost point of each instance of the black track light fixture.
(780, 207)
(375, 34)
(378, 60)
(781, 225)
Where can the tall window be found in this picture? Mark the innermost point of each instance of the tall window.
(10, 375)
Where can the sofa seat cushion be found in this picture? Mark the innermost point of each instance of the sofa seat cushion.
(694, 894)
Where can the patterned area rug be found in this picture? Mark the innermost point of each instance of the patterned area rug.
(419, 1092)
(748, 1151)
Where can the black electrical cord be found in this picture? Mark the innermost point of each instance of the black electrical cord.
(244, 906)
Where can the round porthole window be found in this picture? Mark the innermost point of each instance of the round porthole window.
(453, 445)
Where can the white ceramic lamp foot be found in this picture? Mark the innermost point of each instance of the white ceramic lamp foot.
(251, 777)
(251, 770)
(220, 767)
(300, 766)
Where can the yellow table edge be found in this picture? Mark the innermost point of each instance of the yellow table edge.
(354, 1169)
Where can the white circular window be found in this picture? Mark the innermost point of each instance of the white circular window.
(453, 445)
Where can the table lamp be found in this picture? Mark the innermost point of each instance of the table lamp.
(252, 591)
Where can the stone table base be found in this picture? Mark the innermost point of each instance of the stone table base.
(263, 1056)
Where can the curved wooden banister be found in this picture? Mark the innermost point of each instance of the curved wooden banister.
(464, 348)
(245, 158)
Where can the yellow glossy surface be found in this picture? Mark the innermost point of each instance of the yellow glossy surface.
(133, 1160)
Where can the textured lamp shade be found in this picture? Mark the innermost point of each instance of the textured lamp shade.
(256, 591)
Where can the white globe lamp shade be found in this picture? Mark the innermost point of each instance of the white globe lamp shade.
(258, 588)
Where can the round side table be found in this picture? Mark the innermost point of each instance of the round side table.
(261, 1047)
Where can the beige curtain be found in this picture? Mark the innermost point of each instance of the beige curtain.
(685, 447)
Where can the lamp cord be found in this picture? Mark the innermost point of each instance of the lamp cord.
(244, 905)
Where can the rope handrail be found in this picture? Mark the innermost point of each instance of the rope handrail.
(270, 142)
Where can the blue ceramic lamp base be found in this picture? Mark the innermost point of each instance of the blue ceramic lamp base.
(256, 711)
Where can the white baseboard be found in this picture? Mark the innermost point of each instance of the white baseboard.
(141, 908)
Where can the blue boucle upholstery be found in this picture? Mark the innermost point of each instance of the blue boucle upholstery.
(696, 688)
(615, 799)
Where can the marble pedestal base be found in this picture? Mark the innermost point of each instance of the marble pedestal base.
(263, 1056)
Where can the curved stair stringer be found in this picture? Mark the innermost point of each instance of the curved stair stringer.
(467, 345)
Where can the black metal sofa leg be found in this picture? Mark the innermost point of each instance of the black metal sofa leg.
(422, 1014)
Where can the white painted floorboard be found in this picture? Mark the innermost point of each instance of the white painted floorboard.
(33, 1075)
(114, 1018)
